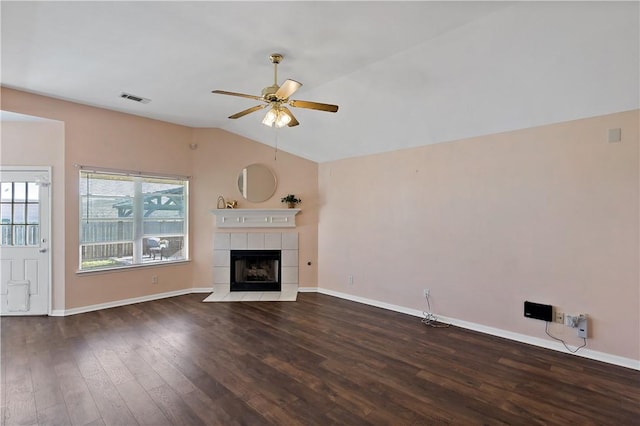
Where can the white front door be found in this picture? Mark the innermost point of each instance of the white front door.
(24, 244)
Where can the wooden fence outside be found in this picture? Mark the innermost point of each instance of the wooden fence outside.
(107, 239)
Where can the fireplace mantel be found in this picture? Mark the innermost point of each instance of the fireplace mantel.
(255, 218)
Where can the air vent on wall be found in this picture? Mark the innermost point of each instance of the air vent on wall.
(134, 98)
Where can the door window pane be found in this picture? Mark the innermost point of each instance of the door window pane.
(6, 192)
(33, 192)
(6, 235)
(33, 235)
(5, 213)
(33, 214)
(19, 214)
(18, 235)
(19, 192)
(19, 207)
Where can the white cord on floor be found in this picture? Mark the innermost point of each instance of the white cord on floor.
(430, 319)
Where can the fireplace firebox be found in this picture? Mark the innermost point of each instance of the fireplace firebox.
(255, 270)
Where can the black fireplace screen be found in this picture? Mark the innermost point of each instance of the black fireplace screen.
(255, 270)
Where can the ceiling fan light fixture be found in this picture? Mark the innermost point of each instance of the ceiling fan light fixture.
(276, 117)
(283, 119)
(275, 98)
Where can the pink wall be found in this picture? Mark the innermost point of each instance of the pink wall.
(103, 138)
(41, 143)
(217, 161)
(548, 214)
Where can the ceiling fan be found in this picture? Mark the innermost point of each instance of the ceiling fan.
(277, 97)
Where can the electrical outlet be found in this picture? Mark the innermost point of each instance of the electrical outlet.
(350, 280)
(571, 321)
(559, 317)
(426, 292)
(154, 279)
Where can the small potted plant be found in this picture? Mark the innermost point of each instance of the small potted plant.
(291, 200)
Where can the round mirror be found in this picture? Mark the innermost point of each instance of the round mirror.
(256, 183)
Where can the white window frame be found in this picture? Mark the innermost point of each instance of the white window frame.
(138, 219)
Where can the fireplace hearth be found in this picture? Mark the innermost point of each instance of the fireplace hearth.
(255, 270)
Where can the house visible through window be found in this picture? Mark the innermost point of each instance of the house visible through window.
(130, 220)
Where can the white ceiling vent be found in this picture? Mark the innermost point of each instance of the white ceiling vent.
(134, 98)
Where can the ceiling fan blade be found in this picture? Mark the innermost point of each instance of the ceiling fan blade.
(314, 105)
(293, 121)
(247, 111)
(242, 95)
(287, 89)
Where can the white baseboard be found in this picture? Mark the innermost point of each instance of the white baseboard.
(202, 290)
(523, 338)
(124, 302)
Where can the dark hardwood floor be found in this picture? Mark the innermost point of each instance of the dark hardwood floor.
(318, 361)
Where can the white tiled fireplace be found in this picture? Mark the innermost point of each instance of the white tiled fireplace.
(224, 242)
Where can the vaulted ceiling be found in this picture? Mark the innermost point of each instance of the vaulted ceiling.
(403, 73)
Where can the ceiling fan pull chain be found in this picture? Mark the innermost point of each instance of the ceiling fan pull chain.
(275, 154)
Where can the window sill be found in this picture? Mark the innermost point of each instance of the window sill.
(124, 268)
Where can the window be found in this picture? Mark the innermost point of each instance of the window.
(20, 214)
(130, 220)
